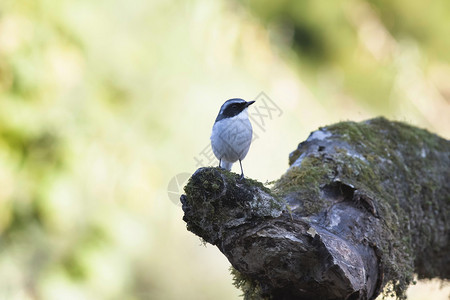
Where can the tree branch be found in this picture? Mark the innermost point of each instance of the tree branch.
(361, 205)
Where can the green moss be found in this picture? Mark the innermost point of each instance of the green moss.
(250, 288)
(305, 182)
(215, 198)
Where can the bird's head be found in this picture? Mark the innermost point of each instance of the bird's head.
(233, 107)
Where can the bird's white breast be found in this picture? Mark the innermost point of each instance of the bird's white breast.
(231, 137)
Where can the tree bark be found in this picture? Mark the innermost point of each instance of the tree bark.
(360, 209)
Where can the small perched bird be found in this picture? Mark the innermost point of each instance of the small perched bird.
(232, 133)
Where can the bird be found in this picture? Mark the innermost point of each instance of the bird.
(232, 133)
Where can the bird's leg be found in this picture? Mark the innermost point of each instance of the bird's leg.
(242, 170)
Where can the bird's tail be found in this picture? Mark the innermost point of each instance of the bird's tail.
(224, 164)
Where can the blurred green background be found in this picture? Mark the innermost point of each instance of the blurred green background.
(104, 103)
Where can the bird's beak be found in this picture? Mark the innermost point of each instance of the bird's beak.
(249, 103)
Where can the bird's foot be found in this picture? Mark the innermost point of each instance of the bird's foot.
(241, 177)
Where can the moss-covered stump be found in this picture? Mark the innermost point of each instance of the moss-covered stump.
(362, 206)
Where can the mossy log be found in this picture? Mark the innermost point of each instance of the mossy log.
(361, 208)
